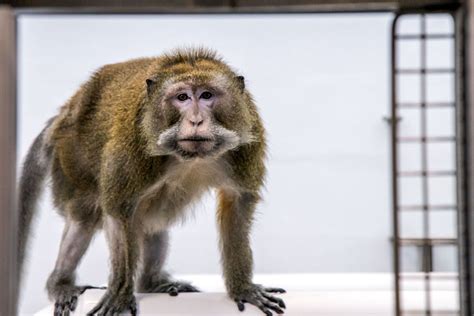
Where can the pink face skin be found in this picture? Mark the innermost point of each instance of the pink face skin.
(195, 105)
(197, 134)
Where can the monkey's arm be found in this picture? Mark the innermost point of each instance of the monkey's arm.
(235, 214)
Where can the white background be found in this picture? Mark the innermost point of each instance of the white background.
(322, 85)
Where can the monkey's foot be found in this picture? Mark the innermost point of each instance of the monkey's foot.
(115, 304)
(66, 298)
(173, 288)
(260, 296)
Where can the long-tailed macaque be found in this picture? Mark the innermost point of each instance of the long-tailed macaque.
(138, 143)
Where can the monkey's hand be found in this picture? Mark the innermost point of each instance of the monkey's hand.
(113, 304)
(260, 296)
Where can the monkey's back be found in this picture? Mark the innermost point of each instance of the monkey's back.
(104, 108)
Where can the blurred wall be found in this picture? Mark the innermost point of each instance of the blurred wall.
(322, 85)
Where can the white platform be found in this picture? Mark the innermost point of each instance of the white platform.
(308, 294)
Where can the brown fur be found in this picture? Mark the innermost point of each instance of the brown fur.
(107, 172)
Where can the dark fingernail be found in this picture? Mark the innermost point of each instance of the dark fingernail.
(174, 293)
(278, 310)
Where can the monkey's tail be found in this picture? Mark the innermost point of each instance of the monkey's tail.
(34, 172)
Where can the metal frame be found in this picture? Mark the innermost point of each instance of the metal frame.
(465, 114)
(466, 295)
(222, 6)
(8, 219)
(466, 151)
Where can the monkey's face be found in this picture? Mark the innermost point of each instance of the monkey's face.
(200, 115)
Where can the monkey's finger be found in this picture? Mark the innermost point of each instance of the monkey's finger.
(167, 288)
(187, 288)
(274, 299)
(66, 312)
(160, 289)
(106, 313)
(96, 309)
(93, 312)
(273, 307)
(269, 304)
(258, 301)
(105, 310)
(264, 309)
(240, 305)
(173, 291)
(111, 312)
(58, 309)
(133, 310)
(73, 304)
(274, 290)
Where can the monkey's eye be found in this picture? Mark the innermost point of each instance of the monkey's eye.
(206, 95)
(182, 97)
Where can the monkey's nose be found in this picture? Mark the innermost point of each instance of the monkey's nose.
(196, 121)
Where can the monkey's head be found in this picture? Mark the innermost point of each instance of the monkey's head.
(196, 107)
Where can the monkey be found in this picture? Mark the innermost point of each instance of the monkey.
(129, 152)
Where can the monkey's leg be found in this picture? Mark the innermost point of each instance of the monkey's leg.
(235, 216)
(122, 242)
(61, 283)
(152, 278)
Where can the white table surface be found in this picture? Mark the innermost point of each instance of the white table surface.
(308, 294)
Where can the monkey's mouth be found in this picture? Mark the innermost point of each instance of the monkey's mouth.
(196, 138)
(196, 145)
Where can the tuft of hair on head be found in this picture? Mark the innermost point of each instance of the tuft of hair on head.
(189, 55)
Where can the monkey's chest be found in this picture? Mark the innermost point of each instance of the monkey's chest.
(172, 197)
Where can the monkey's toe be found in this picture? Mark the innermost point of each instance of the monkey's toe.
(173, 288)
(66, 298)
(114, 305)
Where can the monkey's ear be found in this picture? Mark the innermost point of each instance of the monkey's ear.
(241, 81)
(150, 85)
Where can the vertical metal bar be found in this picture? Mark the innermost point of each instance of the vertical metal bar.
(394, 149)
(462, 162)
(424, 167)
(468, 161)
(8, 218)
